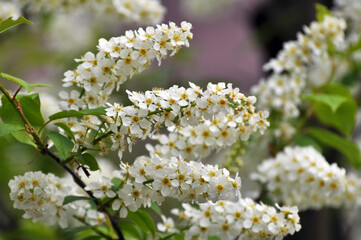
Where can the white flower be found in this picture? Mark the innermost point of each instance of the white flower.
(167, 225)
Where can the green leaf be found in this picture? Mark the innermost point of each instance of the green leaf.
(9, 23)
(156, 208)
(131, 232)
(70, 232)
(143, 220)
(63, 144)
(304, 141)
(335, 107)
(344, 146)
(213, 238)
(93, 237)
(73, 113)
(117, 183)
(69, 199)
(66, 129)
(321, 12)
(333, 101)
(27, 86)
(179, 236)
(91, 161)
(30, 105)
(6, 128)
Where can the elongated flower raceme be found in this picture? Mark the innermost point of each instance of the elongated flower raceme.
(218, 113)
(301, 176)
(152, 179)
(289, 79)
(350, 10)
(244, 219)
(135, 11)
(41, 196)
(119, 59)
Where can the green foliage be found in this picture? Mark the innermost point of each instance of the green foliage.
(333, 101)
(131, 231)
(69, 199)
(144, 221)
(89, 160)
(335, 108)
(156, 208)
(27, 86)
(69, 233)
(321, 12)
(213, 238)
(66, 129)
(94, 237)
(6, 128)
(344, 146)
(73, 113)
(305, 140)
(62, 144)
(9, 23)
(30, 105)
(117, 183)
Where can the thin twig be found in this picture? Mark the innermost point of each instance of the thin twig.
(43, 148)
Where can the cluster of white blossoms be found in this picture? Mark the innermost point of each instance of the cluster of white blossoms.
(138, 11)
(301, 176)
(119, 59)
(208, 119)
(281, 91)
(244, 219)
(350, 10)
(9, 9)
(153, 179)
(206, 8)
(41, 196)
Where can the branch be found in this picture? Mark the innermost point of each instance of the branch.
(80, 183)
(45, 151)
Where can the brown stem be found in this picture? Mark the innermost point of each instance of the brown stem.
(45, 151)
(81, 184)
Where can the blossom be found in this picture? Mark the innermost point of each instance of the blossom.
(138, 11)
(289, 79)
(299, 174)
(244, 219)
(202, 120)
(41, 197)
(9, 9)
(152, 179)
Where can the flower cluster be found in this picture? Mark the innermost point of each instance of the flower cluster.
(117, 60)
(290, 69)
(204, 120)
(350, 10)
(41, 196)
(301, 176)
(9, 9)
(152, 179)
(244, 219)
(139, 11)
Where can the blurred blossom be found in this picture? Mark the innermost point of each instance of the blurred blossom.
(9, 9)
(69, 32)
